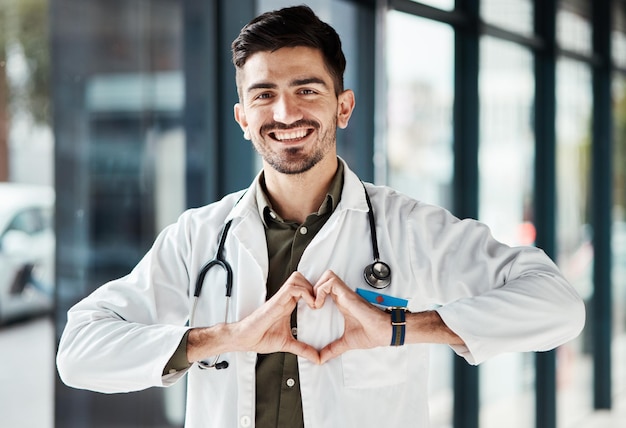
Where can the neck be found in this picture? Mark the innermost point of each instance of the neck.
(295, 196)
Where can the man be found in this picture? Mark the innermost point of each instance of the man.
(304, 340)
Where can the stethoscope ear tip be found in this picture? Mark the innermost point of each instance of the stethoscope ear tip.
(218, 366)
(221, 365)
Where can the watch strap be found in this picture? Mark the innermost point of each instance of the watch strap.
(398, 326)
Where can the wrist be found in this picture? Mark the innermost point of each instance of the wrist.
(203, 342)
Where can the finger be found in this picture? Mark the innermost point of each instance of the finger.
(331, 284)
(320, 295)
(324, 287)
(298, 287)
(303, 350)
(333, 350)
(327, 276)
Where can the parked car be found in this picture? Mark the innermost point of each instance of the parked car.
(27, 245)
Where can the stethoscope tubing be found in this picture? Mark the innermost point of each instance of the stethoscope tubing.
(218, 260)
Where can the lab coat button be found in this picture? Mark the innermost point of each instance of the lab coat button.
(304, 230)
(245, 421)
(290, 382)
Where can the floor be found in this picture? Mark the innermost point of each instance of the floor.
(27, 374)
(615, 418)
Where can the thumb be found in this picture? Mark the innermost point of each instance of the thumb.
(303, 350)
(333, 350)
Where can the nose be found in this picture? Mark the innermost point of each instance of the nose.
(286, 110)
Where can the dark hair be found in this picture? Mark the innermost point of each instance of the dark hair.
(291, 27)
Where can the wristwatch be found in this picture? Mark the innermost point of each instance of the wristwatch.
(398, 325)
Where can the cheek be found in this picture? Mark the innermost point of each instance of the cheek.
(255, 119)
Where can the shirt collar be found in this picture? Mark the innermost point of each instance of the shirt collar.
(333, 196)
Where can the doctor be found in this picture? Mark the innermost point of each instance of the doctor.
(303, 339)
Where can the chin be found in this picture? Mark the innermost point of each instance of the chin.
(294, 166)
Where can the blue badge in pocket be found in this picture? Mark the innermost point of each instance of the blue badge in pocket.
(382, 300)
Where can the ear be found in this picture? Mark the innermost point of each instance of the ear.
(345, 106)
(240, 117)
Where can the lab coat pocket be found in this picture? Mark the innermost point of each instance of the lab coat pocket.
(371, 368)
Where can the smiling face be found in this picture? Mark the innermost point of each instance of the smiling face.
(288, 108)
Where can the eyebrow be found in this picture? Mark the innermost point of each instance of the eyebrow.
(294, 82)
(308, 81)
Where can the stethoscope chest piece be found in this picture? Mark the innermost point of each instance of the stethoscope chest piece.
(378, 274)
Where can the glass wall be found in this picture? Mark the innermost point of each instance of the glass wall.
(419, 99)
(618, 242)
(575, 249)
(514, 15)
(441, 4)
(618, 35)
(120, 173)
(506, 170)
(26, 147)
(573, 28)
(27, 199)
(419, 142)
(619, 235)
(506, 165)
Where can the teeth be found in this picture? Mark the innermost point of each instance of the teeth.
(290, 135)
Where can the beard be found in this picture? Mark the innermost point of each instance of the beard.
(296, 160)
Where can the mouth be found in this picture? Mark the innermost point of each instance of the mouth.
(291, 135)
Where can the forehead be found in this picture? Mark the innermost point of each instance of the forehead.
(283, 66)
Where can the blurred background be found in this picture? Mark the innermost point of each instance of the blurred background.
(116, 115)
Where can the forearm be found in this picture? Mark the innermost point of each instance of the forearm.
(208, 341)
(428, 327)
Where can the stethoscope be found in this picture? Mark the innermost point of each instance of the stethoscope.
(376, 275)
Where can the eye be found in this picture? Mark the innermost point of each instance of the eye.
(307, 91)
(263, 96)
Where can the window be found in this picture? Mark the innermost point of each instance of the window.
(573, 28)
(618, 39)
(440, 4)
(619, 232)
(513, 15)
(575, 251)
(506, 164)
(618, 240)
(419, 100)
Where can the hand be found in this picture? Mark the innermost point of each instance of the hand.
(365, 325)
(268, 329)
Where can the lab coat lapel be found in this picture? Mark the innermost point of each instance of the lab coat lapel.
(320, 250)
(247, 252)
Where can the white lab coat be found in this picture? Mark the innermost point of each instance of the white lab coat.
(496, 298)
